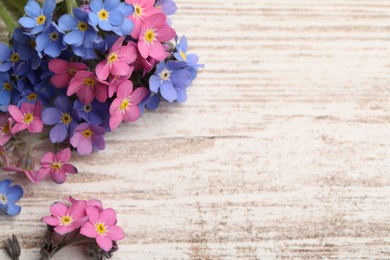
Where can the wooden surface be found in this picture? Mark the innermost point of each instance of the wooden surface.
(281, 152)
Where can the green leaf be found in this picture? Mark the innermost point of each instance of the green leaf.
(11, 11)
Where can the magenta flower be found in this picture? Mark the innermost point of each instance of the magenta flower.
(56, 165)
(125, 106)
(142, 10)
(27, 117)
(87, 87)
(64, 71)
(96, 203)
(102, 226)
(154, 31)
(115, 81)
(88, 137)
(117, 61)
(66, 219)
(5, 128)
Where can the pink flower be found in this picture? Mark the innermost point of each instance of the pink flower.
(125, 106)
(28, 117)
(96, 203)
(66, 219)
(143, 64)
(117, 61)
(5, 128)
(142, 10)
(115, 81)
(64, 71)
(154, 31)
(87, 87)
(101, 225)
(25, 166)
(88, 137)
(56, 165)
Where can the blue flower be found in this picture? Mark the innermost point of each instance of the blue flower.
(8, 92)
(105, 14)
(94, 113)
(51, 41)
(171, 79)
(168, 7)
(37, 18)
(150, 102)
(8, 196)
(81, 33)
(180, 54)
(127, 25)
(26, 47)
(64, 118)
(9, 58)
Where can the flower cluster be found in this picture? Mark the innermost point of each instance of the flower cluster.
(69, 78)
(84, 221)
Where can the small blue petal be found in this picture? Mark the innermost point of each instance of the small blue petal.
(111, 5)
(93, 19)
(13, 209)
(67, 22)
(58, 133)
(105, 26)
(154, 83)
(14, 194)
(32, 9)
(75, 37)
(51, 116)
(48, 8)
(4, 186)
(96, 5)
(116, 18)
(168, 91)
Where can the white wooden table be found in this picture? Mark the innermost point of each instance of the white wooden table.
(282, 150)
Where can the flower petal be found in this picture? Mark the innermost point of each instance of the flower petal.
(115, 233)
(108, 217)
(93, 214)
(104, 243)
(14, 193)
(88, 230)
(58, 209)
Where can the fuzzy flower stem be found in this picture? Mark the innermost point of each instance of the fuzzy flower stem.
(65, 242)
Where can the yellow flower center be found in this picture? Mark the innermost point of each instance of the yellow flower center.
(124, 104)
(101, 229)
(103, 15)
(183, 55)
(54, 36)
(165, 74)
(66, 220)
(32, 97)
(149, 35)
(89, 82)
(6, 128)
(41, 19)
(15, 57)
(28, 118)
(137, 10)
(66, 119)
(87, 133)
(112, 57)
(82, 26)
(7, 86)
(56, 165)
(3, 199)
(72, 71)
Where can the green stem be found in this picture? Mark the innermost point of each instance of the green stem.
(70, 4)
(7, 18)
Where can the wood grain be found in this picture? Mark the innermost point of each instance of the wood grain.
(281, 152)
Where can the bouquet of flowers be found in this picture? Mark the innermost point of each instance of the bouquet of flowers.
(75, 70)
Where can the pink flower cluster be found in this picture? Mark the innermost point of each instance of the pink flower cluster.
(87, 218)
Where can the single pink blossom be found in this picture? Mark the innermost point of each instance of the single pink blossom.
(125, 106)
(96, 203)
(6, 123)
(154, 31)
(64, 71)
(102, 226)
(87, 87)
(25, 166)
(88, 137)
(142, 10)
(66, 219)
(27, 117)
(117, 61)
(56, 165)
(143, 64)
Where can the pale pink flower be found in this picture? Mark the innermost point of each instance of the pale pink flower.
(96, 203)
(142, 10)
(5, 128)
(56, 165)
(66, 219)
(87, 87)
(117, 61)
(101, 225)
(64, 71)
(125, 106)
(27, 117)
(154, 31)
